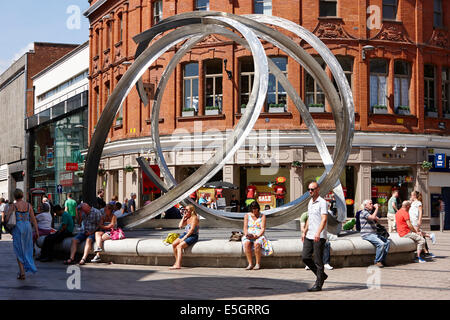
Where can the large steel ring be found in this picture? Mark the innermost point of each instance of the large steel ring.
(210, 22)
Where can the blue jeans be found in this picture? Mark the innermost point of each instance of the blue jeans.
(382, 245)
(326, 253)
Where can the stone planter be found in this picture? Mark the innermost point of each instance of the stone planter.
(276, 109)
(316, 109)
(432, 114)
(211, 112)
(188, 113)
(243, 110)
(380, 111)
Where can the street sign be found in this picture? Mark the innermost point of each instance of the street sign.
(59, 188)
(72, 166)
(439, 160)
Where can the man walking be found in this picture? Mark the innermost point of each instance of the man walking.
(70, 206)
(392, 210)
(368, 219)
(132, 203)
(314, 236)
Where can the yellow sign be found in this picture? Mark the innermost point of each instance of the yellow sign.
(399, 120)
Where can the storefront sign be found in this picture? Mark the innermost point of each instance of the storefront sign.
(66, 179)
(391, 179)
(72, 166)
(264, 198)
(439, 160)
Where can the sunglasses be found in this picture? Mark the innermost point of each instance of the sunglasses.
(311, 189)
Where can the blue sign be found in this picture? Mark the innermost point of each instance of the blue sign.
(59, 188)
(439, 160)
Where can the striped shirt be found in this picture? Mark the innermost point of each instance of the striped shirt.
(367, 226)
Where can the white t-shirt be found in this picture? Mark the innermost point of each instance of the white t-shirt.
(315, 211)
(414, 212)
(44, 220)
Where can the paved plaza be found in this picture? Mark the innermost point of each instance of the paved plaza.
(427, 281)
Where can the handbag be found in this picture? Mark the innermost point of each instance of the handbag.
(236, 236)
(117, 234)
(11, 223)
(171, 237)
(267, 248)
(381, 231)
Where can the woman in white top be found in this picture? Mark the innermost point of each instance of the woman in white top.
(415, 215)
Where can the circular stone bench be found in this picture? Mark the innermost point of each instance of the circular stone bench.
(346, 251)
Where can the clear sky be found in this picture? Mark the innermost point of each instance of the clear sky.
(23, 22)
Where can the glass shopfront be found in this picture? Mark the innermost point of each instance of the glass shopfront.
(347, 179)
(57, 163)
(385, 179)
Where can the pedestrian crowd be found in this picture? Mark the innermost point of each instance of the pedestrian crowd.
(99, 223)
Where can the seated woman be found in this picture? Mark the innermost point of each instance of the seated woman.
(253, 239)
(190, 222)
(107, 222)
(44, 220)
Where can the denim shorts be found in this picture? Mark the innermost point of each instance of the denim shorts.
(190, 240)
(82, 237)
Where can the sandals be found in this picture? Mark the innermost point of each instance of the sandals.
(69, 262)
(21, 276)
(82, 262)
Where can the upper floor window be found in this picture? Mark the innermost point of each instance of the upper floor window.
(97, 102)
(262, 7)
(97, 42)
(402, 79)
(378, 84)
(347, 66)
(108, 34)
(202, 5)
(120, 29)
(328, 8)
(429, 88)
(213, 86)
(390, 9)
(315, 97)
(246, 82)
(157, 11)
(437, 16)
(446, 92)
(190, 88)
(276, 95)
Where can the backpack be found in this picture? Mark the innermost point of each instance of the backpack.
(358, 222)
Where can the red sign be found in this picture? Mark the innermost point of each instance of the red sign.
(281, 179)
(66, 179)
(147, 185)
(265, 197)
(71, 166)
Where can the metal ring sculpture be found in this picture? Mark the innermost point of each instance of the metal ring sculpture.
(193, 27)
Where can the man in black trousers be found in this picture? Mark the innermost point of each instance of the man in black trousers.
(315, 235)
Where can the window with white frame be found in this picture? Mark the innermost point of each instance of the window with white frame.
(262, 7)
(315, 97)
(276, 95)
(437, 15)
(328, 8)
(429, 89)
(213, 85)
(247, 73)
(378, 82)
(190, 88)
(390, 9)
(346, 63)
(202, 5)
(402, 80)
(157, 11)
(446, 91)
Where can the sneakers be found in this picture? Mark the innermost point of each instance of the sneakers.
(306, 268)
(420, 260)
(430, 255)
(98, 250)
(328, 267)
(433, 238)
(96, 259)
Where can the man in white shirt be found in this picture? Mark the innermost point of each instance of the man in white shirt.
(315, 235)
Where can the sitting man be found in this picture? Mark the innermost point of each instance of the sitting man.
(89, 218)
(65, 230)
(407, 230)
(368, 219)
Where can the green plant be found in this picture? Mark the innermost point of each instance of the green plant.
(243, 105)
(119, 119)
(101, 172)
(188, 109)
(427, 165)
(296, 164)
(129, 168)
(212, 108)
(406, 108)
(378, 106)
(316, 105)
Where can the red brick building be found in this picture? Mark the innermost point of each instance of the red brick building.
(395, 53)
